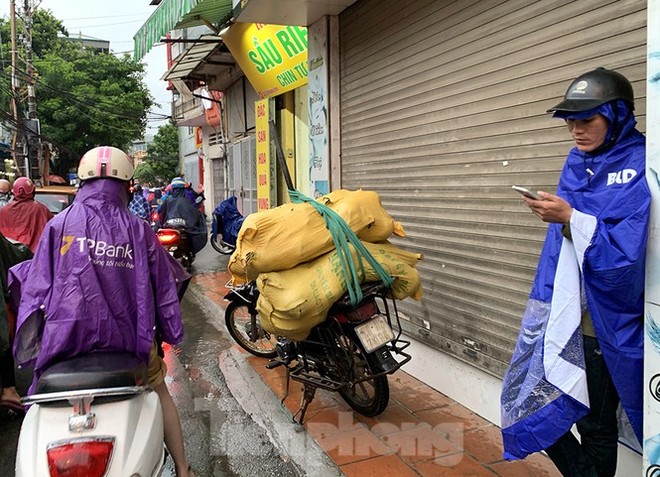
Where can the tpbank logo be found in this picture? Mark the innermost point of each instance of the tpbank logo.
(621, 177)
(99, 248)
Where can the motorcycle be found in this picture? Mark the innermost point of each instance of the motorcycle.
(351, 352)
(225, 224)
(92, 416)
(177, 243)
(173, 237)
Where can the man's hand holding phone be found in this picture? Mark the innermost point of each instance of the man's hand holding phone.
(526, 192)
(549, 208)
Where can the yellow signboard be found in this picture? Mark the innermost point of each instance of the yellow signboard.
(263, 154)
(273, 57)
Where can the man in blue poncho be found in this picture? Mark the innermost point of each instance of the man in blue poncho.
(580, 350)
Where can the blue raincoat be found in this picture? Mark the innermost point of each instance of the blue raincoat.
(231, 220)
(544, 391)
(99, 280)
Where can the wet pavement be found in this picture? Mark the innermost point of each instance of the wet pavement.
(421, 433)
(222, 440)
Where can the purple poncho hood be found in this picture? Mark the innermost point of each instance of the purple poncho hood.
(99, 280)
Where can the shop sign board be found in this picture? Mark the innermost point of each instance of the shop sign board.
(263, 154)
(273, 57)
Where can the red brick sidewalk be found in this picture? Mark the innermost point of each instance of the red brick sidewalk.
(421, 433)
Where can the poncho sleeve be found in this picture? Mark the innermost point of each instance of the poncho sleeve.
(165, 277)
(29, 285)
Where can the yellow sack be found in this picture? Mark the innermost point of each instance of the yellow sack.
(283, 237)
(360, 202)
(293, 301)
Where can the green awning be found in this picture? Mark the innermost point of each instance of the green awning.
(175, 14)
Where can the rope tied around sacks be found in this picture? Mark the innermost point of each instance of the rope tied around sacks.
(342, 236)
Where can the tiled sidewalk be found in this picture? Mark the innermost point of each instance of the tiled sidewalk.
(421, 433)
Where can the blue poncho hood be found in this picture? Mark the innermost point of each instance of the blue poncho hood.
(99, 280)
(602, 267)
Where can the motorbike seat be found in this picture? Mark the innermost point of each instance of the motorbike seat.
(99, 370)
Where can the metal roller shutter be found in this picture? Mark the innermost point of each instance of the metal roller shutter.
(442, 110)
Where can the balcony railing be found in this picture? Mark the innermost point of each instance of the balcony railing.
(183, 110)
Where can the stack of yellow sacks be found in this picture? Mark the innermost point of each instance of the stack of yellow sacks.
(290, 253)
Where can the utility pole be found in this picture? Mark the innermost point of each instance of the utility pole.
(26, 142)
(32, 100)
(15, 86)
(33, 160)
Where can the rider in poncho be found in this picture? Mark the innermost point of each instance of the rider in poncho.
(580, 350)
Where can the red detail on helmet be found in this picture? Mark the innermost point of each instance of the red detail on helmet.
(23, 187)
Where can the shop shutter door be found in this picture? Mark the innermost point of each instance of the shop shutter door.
(442, 110)
(218, 165)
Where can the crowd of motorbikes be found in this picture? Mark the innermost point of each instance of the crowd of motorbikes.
(175, 235)
(95, 416)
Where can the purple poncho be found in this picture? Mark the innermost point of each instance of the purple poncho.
(101, 280)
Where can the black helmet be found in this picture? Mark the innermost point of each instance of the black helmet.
(594, 88)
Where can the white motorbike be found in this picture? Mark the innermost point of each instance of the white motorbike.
(92, 416)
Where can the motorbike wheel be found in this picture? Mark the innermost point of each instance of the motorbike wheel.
(239, 324)
(220, 246)
(369, 397)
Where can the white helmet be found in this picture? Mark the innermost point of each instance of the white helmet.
(105, 161)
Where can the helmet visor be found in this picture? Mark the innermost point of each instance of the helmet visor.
(561, 114)
(576, 105)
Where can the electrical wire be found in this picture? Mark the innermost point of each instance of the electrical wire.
(74, 99)
(8, 118)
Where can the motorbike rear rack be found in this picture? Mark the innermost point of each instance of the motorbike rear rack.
(70, 396)
(83, 419)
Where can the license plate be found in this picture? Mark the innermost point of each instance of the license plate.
(374, 333)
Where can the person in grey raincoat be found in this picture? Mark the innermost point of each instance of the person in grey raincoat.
(105, 283)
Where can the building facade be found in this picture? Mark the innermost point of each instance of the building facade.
(440, 107)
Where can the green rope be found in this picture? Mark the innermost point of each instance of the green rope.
(342, 236)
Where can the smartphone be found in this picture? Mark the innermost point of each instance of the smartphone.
(526, 192)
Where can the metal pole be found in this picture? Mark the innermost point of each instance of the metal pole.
(14, 83)
(33, 141)
(281, 161)
(32, 99)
